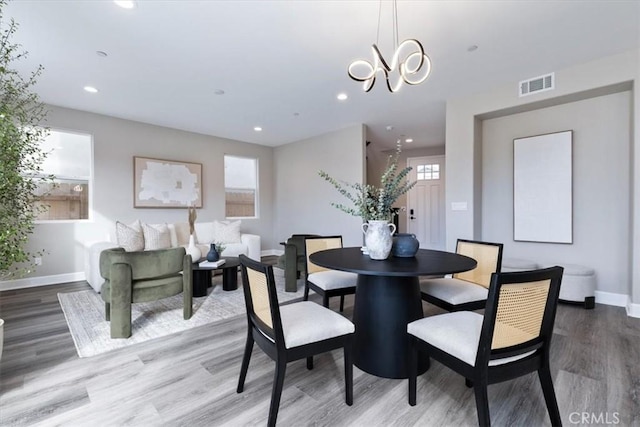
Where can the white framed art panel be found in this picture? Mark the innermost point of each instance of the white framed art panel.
(542, 188)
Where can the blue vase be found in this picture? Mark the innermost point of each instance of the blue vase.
(405, 245)
(213, 254)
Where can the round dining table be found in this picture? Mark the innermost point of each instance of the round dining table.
(387, 299)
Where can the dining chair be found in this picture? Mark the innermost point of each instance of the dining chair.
(326, 282)
(510, 340)
(291, 332)
(467, 290)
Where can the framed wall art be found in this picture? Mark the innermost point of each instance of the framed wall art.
(161, 183)
(542, 188)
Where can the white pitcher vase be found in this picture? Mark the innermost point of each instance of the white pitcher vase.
(193, 250)
(377, 238)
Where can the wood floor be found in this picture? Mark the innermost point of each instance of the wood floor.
(189, 378)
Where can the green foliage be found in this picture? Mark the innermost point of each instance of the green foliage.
(21, 157)
(220, 247)
(370, 202)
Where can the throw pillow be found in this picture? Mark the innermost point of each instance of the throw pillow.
(130, 237)
(204, 232)
(182, 233)
(156, 236)
(226, 231)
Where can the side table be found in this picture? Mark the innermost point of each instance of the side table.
(201, 276)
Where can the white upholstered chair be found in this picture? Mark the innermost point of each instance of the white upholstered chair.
(467, 290)
(291, 332)
(512, 339)
(323, 281)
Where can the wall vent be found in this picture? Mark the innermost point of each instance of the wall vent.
(537, 84)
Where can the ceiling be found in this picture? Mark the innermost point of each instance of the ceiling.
(282, 63)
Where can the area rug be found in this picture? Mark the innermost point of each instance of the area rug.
(84, 312)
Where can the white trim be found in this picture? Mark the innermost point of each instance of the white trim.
(633, 310)
(609, 298)
(32, 282)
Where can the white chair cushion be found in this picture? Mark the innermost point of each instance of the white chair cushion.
(333, 279)
(456, 333)
(306, 322)
(454, 291)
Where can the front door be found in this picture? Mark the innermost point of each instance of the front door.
(425, 202)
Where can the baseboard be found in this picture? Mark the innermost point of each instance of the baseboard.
(633, 310)
(609, 298)
(32, 282)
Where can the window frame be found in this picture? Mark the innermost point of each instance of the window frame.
(90, 184)
(429, 171)
(256, 198)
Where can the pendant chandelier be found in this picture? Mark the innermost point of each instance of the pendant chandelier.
(409, 60)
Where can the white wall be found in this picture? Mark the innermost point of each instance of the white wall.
(601, 181)
(464, 145)
(116, 141)
(303, 199)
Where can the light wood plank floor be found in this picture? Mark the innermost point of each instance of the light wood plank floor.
(190, 378)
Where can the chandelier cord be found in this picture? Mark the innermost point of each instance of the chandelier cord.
(395, 24)
(379, 15)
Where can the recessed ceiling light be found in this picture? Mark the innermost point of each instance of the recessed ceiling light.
(257, 129)
(91, 89)
(409, 140)
(101, 53)
(125, 4)
(472, 48)
(218, 92)
(389, 128)
(342, 96)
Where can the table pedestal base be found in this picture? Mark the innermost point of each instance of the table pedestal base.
(230, 279)
(201, 280)
(384, 306)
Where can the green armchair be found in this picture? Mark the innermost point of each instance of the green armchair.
(131, 277)
(294, 261)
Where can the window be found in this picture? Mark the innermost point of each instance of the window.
(69, 160)
(241, 186)
(428, 172)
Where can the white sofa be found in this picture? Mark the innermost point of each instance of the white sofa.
(248, 245)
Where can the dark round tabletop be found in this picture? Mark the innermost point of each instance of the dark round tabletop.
(427, 262)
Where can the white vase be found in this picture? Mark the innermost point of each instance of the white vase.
(377, 238)
(193, 250)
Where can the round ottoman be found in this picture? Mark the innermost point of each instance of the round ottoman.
(509, 265)
(578, 285)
